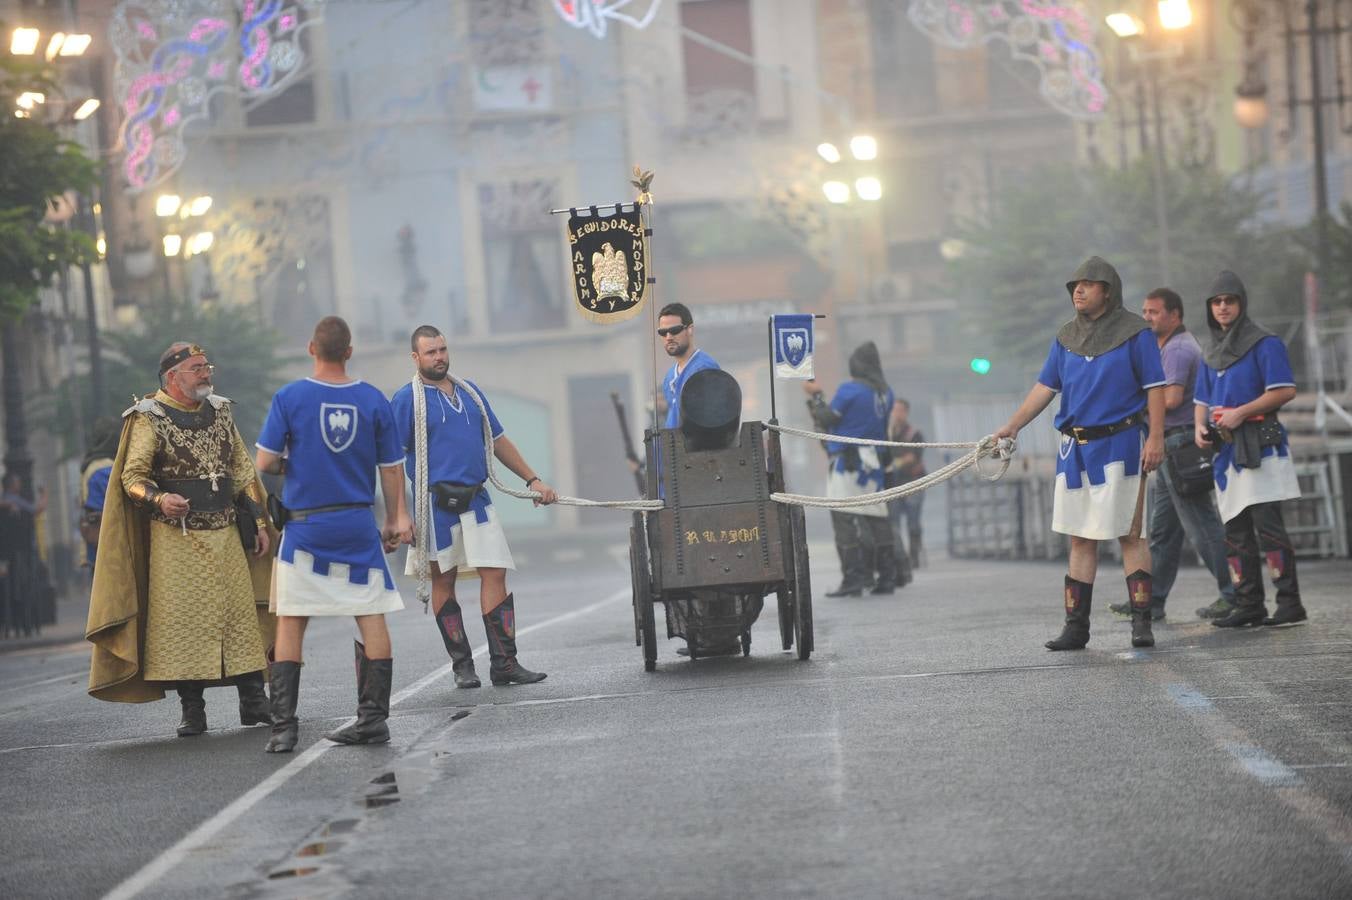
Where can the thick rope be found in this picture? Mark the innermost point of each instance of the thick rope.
(424, 529)
(535, 495)
(988, 446)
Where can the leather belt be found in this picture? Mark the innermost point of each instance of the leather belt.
(300, 515)
(198, 492)
(1095, 432)
(1178, 429)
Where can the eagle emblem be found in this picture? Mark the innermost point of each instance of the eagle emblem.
(610, 274)
(338, 425)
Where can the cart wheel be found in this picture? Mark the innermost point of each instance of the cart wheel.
(746, 643)
(645, 624)
(802, 592)
(785, 597)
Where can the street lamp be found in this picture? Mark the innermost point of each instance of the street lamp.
(24, 41)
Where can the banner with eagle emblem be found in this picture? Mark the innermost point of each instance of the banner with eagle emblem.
(793, 345)
(608, 253)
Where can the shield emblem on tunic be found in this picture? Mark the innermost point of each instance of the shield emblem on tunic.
(793, 345)
(338, 425)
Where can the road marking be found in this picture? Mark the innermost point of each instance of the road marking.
(1189, 698)
(1267, 769)
(161, 865)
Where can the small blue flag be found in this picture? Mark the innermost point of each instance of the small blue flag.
(793, 346)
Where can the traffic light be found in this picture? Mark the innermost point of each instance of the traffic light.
(981, 365)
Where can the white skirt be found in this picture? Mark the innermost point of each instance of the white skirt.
(843, 485)
(1274, 480)
(462, 540)
(298, 590)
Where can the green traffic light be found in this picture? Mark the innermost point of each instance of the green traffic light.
(981, 365)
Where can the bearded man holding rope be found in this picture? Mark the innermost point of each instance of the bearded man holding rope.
(441, 426)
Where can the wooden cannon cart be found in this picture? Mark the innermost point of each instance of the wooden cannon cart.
(719, 538)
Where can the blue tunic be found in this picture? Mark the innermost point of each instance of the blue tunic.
(98, 492)
(334, 437)
(674, 381)
(1101, 390)
(863, 414)
(1264, 367)
(455, 446)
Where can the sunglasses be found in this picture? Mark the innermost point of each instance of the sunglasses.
(1224, 300)
(675, 329)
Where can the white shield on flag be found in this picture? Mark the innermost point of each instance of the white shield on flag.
(794, 353)
(338, 425)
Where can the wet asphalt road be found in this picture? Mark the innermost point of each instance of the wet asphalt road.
(930, 748)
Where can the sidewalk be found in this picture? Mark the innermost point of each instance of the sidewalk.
(71, 612)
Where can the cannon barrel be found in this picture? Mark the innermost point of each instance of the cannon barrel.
(711, 410)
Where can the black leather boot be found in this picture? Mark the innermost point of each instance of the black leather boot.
(1139, 587)
(1248, 607)
(194, 720)
(1075, 634)
(500, 624)
(916, 548)
(1282, 565)
(254, 706)
(285, 678)
(451, 624)
(373, 705)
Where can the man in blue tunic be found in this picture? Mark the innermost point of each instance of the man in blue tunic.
(1245, 378)
(1106, 366)
(95, 469)
(329, 434)
(441, 428)
(864, 537)
(676, 328)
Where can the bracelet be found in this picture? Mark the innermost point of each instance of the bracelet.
(533, 479)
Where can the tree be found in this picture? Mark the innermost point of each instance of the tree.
(37, 166)
(1010, 278)
(243, 349)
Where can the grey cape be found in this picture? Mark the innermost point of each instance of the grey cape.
(1094, 337)
(1228, 346)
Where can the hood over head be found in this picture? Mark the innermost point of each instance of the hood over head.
(1094, 337)
(1228, 346)
(867, 366)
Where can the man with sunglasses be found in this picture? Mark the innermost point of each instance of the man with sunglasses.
(1244, 379)
(173, 562)
(676, 328)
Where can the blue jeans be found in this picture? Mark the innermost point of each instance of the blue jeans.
(1172, 516)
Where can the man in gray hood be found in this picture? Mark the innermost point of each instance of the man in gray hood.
(1244, 379)
(1106, 365)
(864, 537)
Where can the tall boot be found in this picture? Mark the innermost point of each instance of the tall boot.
(887, 576)
(500, 624)
(285, 687)
(373, 705)
(1282, 565)
(916, 547)
(1139, 587)
(855, 567)
(1075, 634)
(194, 720)
(1248, 608)
(253, 699)
(451, 624)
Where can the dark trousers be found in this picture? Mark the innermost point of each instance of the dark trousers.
(1255, 536)
(865, 546)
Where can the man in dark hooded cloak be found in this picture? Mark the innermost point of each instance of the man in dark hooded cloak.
(1245, 377)
(864, 537)
(1105, 364)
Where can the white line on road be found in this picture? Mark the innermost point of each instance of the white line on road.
(162, 864)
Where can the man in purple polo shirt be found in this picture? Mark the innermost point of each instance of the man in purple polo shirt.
(1173, 514)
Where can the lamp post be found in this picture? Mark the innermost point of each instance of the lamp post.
(1251, 17)
(1172, 15)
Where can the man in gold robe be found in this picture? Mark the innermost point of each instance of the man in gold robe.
(175, 602)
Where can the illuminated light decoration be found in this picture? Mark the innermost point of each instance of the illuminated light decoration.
(86, 109)
(980, 365)
(828, 152)
(54, 45)
(868, 188)
(594, 15)
(24, 41)
(1056, 37)
(173, 56)
(76, 44)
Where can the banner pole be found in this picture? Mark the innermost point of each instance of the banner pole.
(770, 346)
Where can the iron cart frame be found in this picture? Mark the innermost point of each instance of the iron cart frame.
(719, 529)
